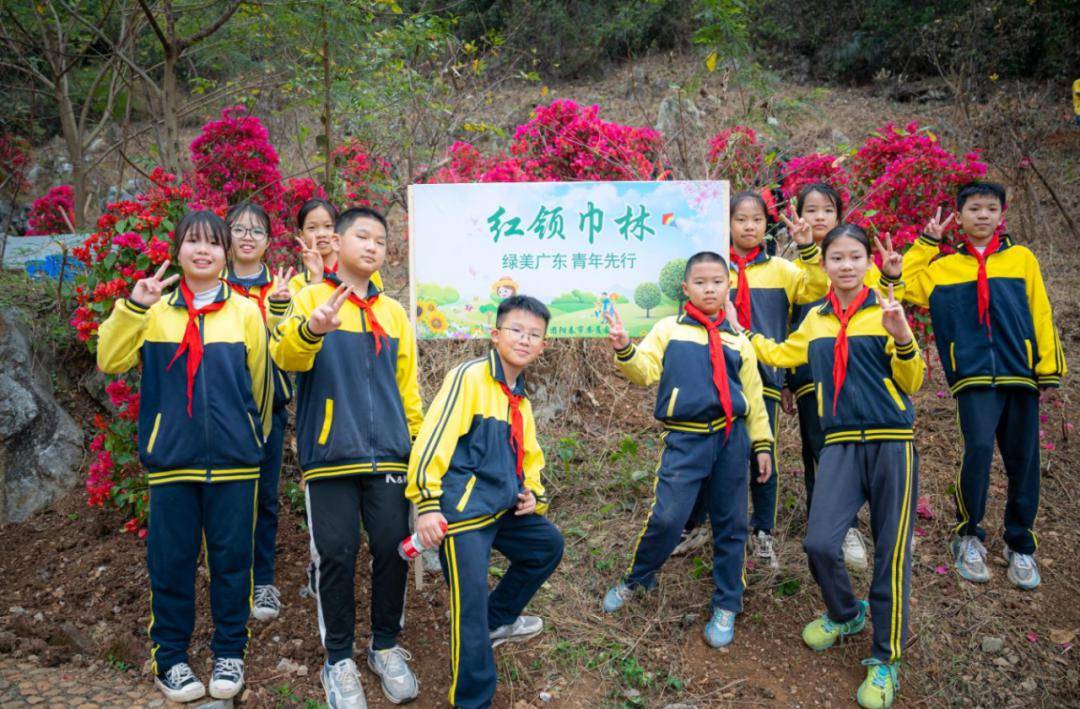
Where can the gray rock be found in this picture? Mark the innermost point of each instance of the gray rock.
(676, 115)
(992, 644)
(41, 447)
(216, 704)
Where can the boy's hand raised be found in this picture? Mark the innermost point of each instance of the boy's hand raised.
(325, 318)
(147, 291)
(312, 260)
(280, 288)
(893, 319)
(798, 228)
(431, 526)
(616, 332)
(892, 261)
(935, 228)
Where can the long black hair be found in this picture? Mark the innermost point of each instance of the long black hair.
(206, 222)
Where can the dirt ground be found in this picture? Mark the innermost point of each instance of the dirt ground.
(75, 591)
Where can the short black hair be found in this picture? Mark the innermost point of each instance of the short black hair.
(703, 257)
(310, 206)
(201, 220)
(980, 189)
(741, 197)
(852, 231)
(522, 302)
(350, 215)
(240, 209)
(821, 188)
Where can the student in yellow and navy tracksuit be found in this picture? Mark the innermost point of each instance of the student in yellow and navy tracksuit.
(204, 411)
(998, 346)
(710, 403)
(865, 366)
(474, 476)
(247, 275)
(358, 408)
(765, 289)
(315, 222)
(820, 208)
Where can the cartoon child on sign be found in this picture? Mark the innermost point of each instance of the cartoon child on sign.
(504, 288)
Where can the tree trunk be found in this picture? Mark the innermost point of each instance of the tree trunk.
(328, 168)
(170, 102)
(73, 141)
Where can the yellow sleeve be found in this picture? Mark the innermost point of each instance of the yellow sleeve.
(877, 280)
(812, 283)
(447, 420)
(792, 352)
(644, 363)
(407, 380)
(908, 366)
(918, 279)
(275, 312)
(534, 463)
(293, 345)
(298, 282)
(121, 336)
(1050, 358)
(256, 339)
(757, 419)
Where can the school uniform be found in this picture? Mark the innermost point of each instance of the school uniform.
(303, 279)
(801, 384)
(868, 457)
(257, 288)
(705, 447)
(998, 346)
(358, 407)
(776, 286)
(476, 451)
(204, 410)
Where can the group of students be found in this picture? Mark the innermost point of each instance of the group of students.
(216, 349)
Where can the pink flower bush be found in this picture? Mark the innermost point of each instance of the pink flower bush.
(52, 213)
(368, 178)
(815, 167)
(736, 155)
(14, 159)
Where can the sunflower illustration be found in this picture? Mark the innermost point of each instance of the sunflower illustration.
(425, 308)
(437, 322)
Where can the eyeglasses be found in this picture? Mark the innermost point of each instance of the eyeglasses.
(245, 232)
(519, 334)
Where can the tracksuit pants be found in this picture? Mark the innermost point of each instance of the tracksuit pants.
(183, 517)
(335, 507)
(1011, 416)
(884, 474)
(813, 440)
(763, 496)
(534, 548)
(267, 522)
(689, 463)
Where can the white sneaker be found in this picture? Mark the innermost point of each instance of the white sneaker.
(228, 677)
(855, 550)
(1023, 571)
(341, 682)
(267, 603)
(969, 557)
(694, 539)
(179, 684)
(524, 627)
(392, 666)
(764, 549)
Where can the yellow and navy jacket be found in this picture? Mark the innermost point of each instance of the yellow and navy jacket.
(776, 287)
(231, 405)
(275, 311)
(799, 379)
(356, 412)
(1023, 348)
(675, 353)
(303, 279)
(462, 464)
(874, 403)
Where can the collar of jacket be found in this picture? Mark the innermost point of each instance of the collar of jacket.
(333, 278)
(263, 278)
(1005, 242)
(495, 369)
(685, 319)
(871, 299)
(761, 258)
(176, 298)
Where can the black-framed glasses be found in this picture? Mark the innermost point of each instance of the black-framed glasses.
(532, 337)
(255, 233)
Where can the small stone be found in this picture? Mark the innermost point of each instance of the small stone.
(39, 616)
(1002, 662)
(1029, 685)
(545, 697)
(217, 704)
(992, 644)
(631, 693)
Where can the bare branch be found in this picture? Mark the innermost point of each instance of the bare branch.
(154, 24)
(210, 29)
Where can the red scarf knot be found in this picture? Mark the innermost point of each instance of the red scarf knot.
(259, 299)
(840, 347)
(192, 341)
(984, 281)
(366, 306)
(716, 358)
(742, 288)
(517, 430)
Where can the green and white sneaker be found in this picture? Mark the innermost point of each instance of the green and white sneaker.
(822, 633)
(1023, 571)
(880, 686)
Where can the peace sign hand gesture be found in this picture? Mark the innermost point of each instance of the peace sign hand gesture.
(892, 262)
(798, 228)
(280, 287)
(616, 332)
(325, 318)
(312, 259)
(893, 319)
(935, 228)
(147, 291)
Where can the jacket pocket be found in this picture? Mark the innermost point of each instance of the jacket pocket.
(1030, 356)
(952, 356)
(671, 402)
(328, 420)
(467, 494)
(255, 431)
(820, 402)
(153, 433)
(897, 399)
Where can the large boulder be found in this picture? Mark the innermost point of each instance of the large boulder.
(41, 447)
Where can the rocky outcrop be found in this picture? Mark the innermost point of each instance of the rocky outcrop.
(41, 447)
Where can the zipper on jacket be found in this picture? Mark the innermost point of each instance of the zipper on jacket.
(205, 402)
(371, 393)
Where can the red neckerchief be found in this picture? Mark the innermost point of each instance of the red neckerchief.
(716, 358)
(259, 299)
(742, 292)
(192, 340)
(365, 305)
(984, 282)
(517, 430)
(840, 347)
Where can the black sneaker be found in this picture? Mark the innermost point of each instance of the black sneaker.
(228, 677)
(179, 684)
